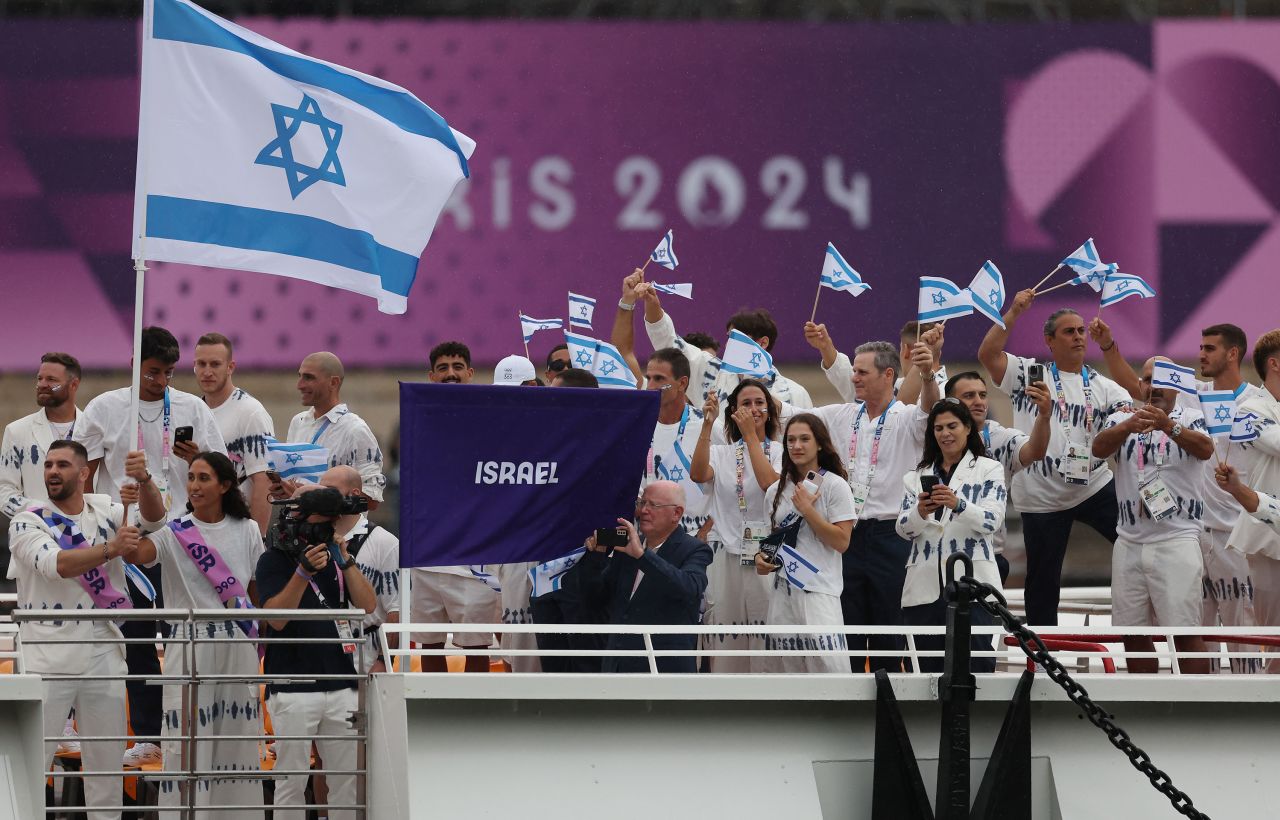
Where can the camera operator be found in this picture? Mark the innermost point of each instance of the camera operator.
(307, 568)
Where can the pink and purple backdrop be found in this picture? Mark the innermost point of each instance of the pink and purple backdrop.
(917, 150)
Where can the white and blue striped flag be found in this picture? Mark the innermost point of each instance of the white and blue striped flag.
(582, 310)
(685, 289)
(800, 572)
(743, 356)
(1084, 258)
(679, 473)
(530, 326)
(547, 576)
(255, 157)
(1174, 377)
(1244, 427)
(482, 574)
(602, 359)
(1120, 286)
(987, 292)
(942, 299)
(297, 460)
(1095, 278)
(838, 274)
(665, 254)
(1219, 410)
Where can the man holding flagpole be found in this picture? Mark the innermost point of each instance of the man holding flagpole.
(1068, 485)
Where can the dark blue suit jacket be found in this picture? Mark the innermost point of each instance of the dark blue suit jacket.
(670, 592)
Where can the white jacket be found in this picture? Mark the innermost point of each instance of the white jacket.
(970, 528)
(1262, 466)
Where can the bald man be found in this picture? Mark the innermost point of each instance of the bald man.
(1157, 566)
(331, 424)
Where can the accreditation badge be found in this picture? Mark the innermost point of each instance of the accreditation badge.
(860, 492)
(346, 635)
(753, 532)
(1075, 464)
(1157, 499)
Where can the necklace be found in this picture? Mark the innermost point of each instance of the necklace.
(153, 419)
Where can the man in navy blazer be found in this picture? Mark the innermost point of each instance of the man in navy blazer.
(657, 581)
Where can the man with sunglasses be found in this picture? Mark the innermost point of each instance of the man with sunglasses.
(108, 434)
(658, 577)
(557, 362)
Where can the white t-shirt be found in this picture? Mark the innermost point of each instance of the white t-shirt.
(1041, 488)
(107, 432)
(34, 565)
(237, 540)
(379, 560)
(664, 461)
(1221, 511)
(835, 504)
(1180, 471)
(730, 518)
(245, 426)
(901, 443)
(349, 441)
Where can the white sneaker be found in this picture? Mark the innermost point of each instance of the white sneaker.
(70, 743)
(141, 754)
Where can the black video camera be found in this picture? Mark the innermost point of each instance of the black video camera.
(295, 534)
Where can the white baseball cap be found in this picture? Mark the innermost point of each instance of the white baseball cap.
(514, 370)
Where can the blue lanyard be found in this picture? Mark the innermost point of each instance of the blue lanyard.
(875, 445)
(320, 432)
(986, 436)
(1062, 403)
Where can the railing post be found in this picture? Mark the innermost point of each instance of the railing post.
(956, 690)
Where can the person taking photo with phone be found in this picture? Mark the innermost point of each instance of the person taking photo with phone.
(955, 502)
(812, 514)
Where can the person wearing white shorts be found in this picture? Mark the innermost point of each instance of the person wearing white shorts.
(1156, 565)
(453, 595)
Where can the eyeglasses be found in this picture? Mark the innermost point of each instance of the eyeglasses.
(558, 365)
(642, 504)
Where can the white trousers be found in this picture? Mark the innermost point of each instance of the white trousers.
(736, 597)
(787, 606)
(1228, 594)
(1265, 572)
(99, 706)
(314, 713)
(516, 609)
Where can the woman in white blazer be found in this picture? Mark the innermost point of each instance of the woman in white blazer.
(962, 513)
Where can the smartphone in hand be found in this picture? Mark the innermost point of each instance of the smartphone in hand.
(183, 435)
(1035, 374)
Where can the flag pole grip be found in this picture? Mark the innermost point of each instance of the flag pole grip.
(1052, 289)
(1046, 279)
(818, 295)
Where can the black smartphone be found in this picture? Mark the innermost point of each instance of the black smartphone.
(928, 482)
(612, 537)
(183, 434)
(1035, 373)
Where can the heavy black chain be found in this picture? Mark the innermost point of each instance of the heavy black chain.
(990, 599)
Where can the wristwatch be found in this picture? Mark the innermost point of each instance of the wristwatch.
(1176, 430)
(347, 564)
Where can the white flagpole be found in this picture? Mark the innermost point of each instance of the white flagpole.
(139, 287)
(1046, 279)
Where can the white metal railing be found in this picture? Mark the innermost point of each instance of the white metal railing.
(1008, 658)
(189, 737)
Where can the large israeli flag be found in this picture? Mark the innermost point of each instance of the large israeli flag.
(255, 157)
(838, 274)
(297, 460)
(1174, 377)
(942, 299)
(1219, 410)
(743, 356)
(987, 292)
(1120, 286)
(602, 359)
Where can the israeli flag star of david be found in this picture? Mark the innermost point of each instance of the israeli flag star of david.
(665, 254)
(602, 359)
(987, 292)
(298, 460)
(742, 355)
(838, 274)
(582, 310)
(1219, 410)
(1120, 286)
(1174, 377)
(942, 299)
(255, 157)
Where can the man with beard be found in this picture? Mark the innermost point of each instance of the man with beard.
(243, 421)
(27, 439)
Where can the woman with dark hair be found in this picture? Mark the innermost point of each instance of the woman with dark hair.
(735, 476)
(813, 504)
(209, 555)
(961, 511)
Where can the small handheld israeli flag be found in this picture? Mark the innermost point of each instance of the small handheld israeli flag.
(547, 576)
(300, 460)
(942, 299)
(1084, 258)
(1095, 277)
(800, 572)
(987, 292)
(610, 369)
(685, 290)
(838, 274)
(581, 310)
(582, 350)
(1174, 377)
(530, 326)
(1120, 286)
(743, 356)
(1244, 427)
(1219, 410)
(664, 254)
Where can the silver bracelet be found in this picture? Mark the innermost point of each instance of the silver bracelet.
(624, 306)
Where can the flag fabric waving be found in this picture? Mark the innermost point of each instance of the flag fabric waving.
(1120, 286)
(601, 359)
(1084, 258)
(664, 254)
(838, 274)
(1174, 377)
(581, 311)
(1244, 427)
(987, 292)
(743, 356)
(1219, 410)
(530, 326)
(685, 289)
(1095, 277)
(942, 299)
(299, 461)
(255, 157)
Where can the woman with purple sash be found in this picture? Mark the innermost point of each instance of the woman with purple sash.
(208, 556)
